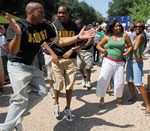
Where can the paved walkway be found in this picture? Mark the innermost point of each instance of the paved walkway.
(87, 115)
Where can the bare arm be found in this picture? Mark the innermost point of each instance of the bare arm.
(129, 44)
(14, 44)
(77, 49)
(64, 41)
(102, 43)
(54, 56)
(139, 40)
(98, 28)
(88, 42)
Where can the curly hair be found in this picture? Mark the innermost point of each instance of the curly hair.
(111, 25)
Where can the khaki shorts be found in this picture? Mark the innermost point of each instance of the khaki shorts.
(1, 67)
(84, 60)
(48, 64)
(64, 74)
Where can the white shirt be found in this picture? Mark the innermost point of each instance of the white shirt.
(131, 35)
(2, 42)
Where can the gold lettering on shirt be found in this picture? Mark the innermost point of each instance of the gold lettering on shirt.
(31, 38)
(71, 33)
(66, 33)
(43, 34)
(37, 37)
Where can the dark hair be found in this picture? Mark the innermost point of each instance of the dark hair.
(64, 5)
(54, 17)
(112, 24)
(131, 29)
(128, 27)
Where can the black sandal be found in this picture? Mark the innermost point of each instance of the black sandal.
(131, 101)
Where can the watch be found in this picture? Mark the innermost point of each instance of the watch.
(78, 38)
(73, 49)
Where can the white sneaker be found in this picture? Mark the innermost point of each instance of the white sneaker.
(88, 84)
(52, 92)
(68, 114)
(83, 81)
(56, 112)
(18, 125)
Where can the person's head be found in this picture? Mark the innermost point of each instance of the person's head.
(63, 14)
(131, 29)
(139, 27)
(54, 18)
(128, 28)
(79, 22)
(2, 29)
(90, 25)
(114, 27)
(35, 13)
(97, 25)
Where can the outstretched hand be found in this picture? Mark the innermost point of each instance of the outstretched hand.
(14, 26)
(86, 34)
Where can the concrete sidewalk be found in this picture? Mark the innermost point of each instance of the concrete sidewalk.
(87, 115)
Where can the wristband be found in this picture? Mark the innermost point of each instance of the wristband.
(78, 38)
(19, 34)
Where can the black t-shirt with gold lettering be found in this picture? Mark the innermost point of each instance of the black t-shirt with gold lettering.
(65, 30)
(32, 38)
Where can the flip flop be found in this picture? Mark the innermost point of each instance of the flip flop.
(130, 101)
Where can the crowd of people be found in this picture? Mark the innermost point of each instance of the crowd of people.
(65, 47)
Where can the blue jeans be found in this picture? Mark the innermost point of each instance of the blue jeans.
(29, 88)
(134, 72)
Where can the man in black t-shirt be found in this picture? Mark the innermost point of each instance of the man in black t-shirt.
(26, 37)
(84, 59)
(65, 72)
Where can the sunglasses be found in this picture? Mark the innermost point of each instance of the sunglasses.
(138, 26)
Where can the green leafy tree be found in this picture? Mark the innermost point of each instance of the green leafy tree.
(77, 9)
(119, 7)
(140, 10)
(17, 8)
(82, 10)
